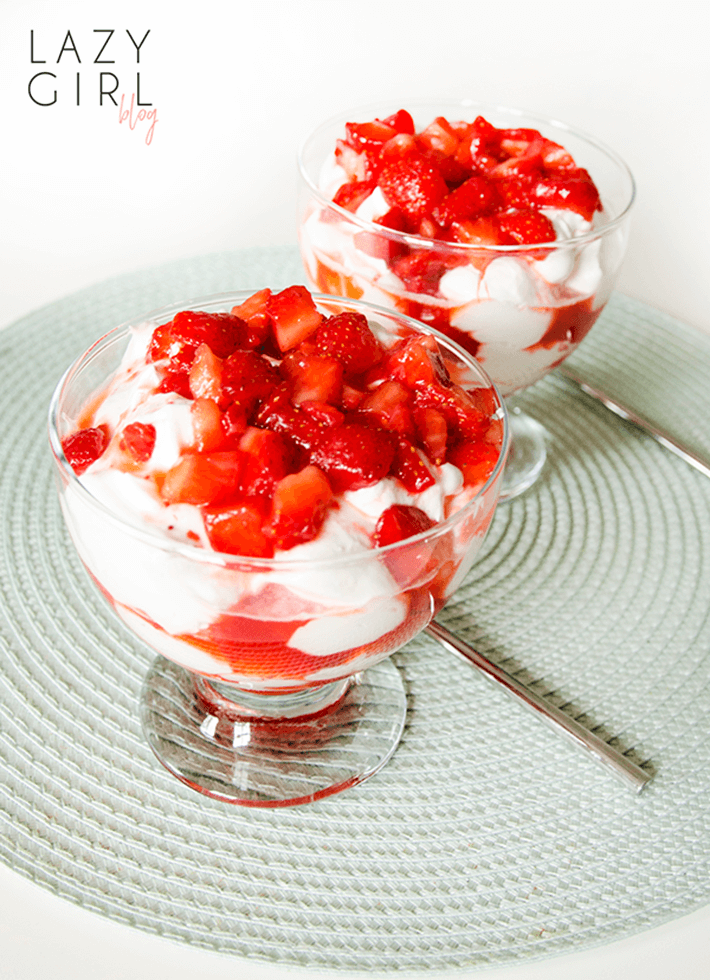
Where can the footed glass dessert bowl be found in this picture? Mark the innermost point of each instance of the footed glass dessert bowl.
(502, 229)
(275, 492)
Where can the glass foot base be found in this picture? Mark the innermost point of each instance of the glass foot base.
(527, 455)
(236, 753)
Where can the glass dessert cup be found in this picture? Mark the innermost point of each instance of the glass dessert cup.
(520, 310)
(272, 684)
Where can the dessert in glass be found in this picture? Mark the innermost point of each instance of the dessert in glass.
(275, 491)
(501, 229)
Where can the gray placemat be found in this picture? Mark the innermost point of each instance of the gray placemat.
(487, 840)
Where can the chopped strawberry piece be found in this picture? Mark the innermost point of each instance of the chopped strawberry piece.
(294, 316)
(278, 414)
(400, 521)
(324, 414)
(354, 456)
(298, 508)
(433, 433)
(575, 193)
(526, 227)
(268, 458)
(253, 311)
(313, 378)
(417, 363)
(138, 440)
(247, 379)
(207, 429)
(456, 406)
(237, 529)
(472, 199)
(556, 157)
(413, 185)
(400, 146)
(222, 332)
(421, 272)
(439, 136)
(366, 135)
(82, 448)
(401, 121)
(411, 468)
(516, 192)
(234, 423)
(348, 338)
(177, 381)
(476, 460)
(205, 375)
(352, 397)
(391, 405)
(482, 231)
(202, 479)
(351, 195)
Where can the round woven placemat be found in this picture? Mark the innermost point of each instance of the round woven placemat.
(487, 839)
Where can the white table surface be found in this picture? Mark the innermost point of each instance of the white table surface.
(235, 87)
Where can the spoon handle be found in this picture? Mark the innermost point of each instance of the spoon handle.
(633, 775)
(665, 439)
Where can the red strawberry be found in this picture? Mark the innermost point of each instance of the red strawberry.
(413, 185)
(247, 379)
(237, 529)
(222, 332)
(390, 404)
(84, 447)
(416, 361)
(476, 460)
(278, 414)
(526, 228)
(253, 311)
(475, 197)
(268, 458)
(577, 193)
(368, 135)
(207, 428)
(205, 375)
(202, 478)
(294, 316)
(401, 121)
(138, 440)
(400, 521)
(421, 272)
(440, 137)
(313, 378)
(177, 381)
(298, 508)
(433, 433)
(556, 158)
(410, 468)
(348, 338)
(353, 456)
(351, 195)
(515, 192)
(482, 231)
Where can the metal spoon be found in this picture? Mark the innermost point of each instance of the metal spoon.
(631, 774)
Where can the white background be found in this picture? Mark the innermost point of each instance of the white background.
(235, 87)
